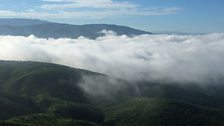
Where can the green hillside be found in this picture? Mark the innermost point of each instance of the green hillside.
(160, 112)
(42, 94)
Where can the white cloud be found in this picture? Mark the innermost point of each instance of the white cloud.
(110, 7)
(6, 13)
(105, 4)
(88, 14)
(70, 9)
(181, 58)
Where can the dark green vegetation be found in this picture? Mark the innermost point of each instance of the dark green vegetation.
(44, 29)
(41, 94)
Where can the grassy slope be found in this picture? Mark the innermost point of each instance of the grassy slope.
(14, 105)
(32, 79)
(28, 88)
(48, 120)
(157, 112)
(52, 87)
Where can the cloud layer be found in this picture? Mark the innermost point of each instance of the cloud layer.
(98, 4)
(85, 9)
(179, 58)
(94, 14)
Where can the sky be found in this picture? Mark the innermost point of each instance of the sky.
(165, 16)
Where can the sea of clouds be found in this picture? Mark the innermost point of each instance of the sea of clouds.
(181, 58)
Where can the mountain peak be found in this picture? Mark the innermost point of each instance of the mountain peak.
(45, 29)
(20, 21)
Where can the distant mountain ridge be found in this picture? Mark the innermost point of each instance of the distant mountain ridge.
(45, 29)
(20, 22)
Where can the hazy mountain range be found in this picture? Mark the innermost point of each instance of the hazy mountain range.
(45, 29)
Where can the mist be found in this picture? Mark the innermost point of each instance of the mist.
(178, 58)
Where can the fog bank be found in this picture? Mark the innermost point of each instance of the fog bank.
(181, 58)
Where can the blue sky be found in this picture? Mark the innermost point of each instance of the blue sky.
(192, 16)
